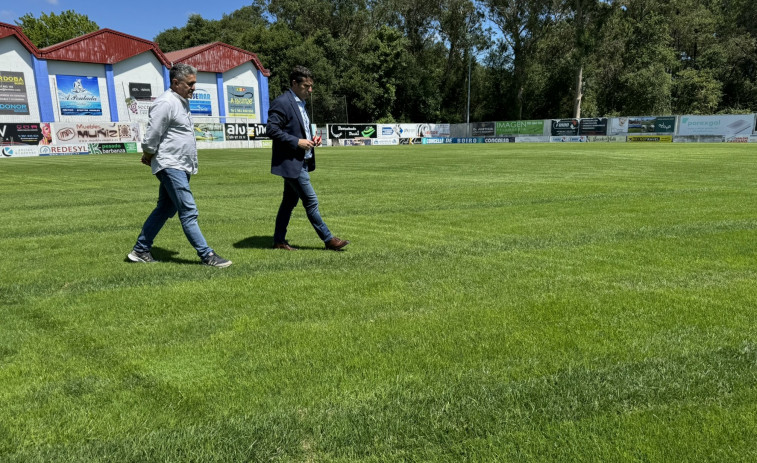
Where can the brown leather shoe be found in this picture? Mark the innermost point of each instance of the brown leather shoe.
(284, 246)
(336, 244)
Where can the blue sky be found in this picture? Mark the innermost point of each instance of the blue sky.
(142, 18)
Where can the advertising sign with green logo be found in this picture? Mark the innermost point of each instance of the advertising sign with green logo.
(241, 101)
(109, 148)
(520, 128)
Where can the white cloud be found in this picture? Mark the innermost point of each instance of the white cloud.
(52, 2)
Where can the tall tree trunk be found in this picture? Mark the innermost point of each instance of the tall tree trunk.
(579, 92)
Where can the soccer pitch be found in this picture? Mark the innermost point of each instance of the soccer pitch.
(514, 302)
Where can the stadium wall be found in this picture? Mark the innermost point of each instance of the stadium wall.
(20, 96)
(83, 137)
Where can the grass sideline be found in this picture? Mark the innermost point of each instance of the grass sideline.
(529, 302)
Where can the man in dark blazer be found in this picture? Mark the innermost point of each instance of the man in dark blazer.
(294, 157)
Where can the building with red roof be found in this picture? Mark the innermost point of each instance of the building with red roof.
(120, 74)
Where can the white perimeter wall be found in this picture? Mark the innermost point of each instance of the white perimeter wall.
(143, 68)
(207, 82)
(15, 58)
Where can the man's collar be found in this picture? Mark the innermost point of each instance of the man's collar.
(181, 98)
(296, 98)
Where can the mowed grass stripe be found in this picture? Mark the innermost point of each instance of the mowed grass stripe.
(498, 303)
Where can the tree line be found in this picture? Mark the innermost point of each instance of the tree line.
(413, 60)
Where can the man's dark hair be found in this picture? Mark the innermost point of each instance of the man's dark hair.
(300, 73)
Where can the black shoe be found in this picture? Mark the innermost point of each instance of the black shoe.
(214, 260)
(144, 257)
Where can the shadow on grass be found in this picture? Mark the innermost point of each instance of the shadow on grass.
(256, 242)
(266, 242)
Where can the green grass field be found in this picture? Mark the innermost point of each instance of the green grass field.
(534, 302)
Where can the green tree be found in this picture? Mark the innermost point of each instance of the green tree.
(522, 23)
(696, 92)
(461, 31)
(736, 29)
(634, 61)
(407, 60)
(50, 29)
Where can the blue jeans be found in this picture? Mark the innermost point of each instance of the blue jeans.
(174, 195)
(294, 190)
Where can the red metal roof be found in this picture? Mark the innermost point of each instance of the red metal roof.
(216, 57)
(105, 46)
(7, 30)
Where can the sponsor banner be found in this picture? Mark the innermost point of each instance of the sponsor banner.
(140, 91)
(650, 138)
(433, 130)
(607, 139)
(529, 139)
(139, 110)
(72, 133)
(436, 141)
(19, 151)
(467, 140)
(24, 134)
(240, 131)
(108, 148)
(385, 141)
(482, 129)
(13, 99)
(355, 142)
(241, 101)
(209, 131)
(727, 125)
(411, 141)
(744, 139)
(566, 139)
(406, 131)
(256, 131)
(201, 102)
(385, 131)
(592, 126)
(60, 150)
(78, 95)
(651, 124)
(236, 132)
(445, 140)
(617, 126)
(665, 124)
(519, 128)
(699, 139)
(499, 140)
(344, 131)
(564, 127)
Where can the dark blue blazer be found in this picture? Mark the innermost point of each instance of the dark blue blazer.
(286, 127)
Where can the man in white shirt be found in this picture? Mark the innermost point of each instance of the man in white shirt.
(170, 148)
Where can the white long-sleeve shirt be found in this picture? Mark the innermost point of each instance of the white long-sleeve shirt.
(170, 134)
